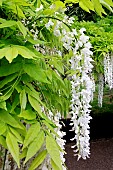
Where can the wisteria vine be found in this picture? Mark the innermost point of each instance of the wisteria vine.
(82, 82)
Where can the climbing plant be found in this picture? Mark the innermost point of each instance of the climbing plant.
(40, 53)
(32, 82)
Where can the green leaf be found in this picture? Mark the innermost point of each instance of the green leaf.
(54, 166)
(22, 131)
(35, 145)
(25, 52)
(32, 92)
(49, 74)
(3, 142)
(8, 24)
(8, 119)
(35, 104)
(28, 114)
(22, 28)
(16, 134)
(8, 69)
(36, 73)
(31, 134)
(53, 150)
(2, 52)
(83, 6)
(59, 4)
(3, 105)
(106, 5)
(23, 154)
(8, 79)
(88, 4)
(38, 160)
(11, 53)
(2, 20)
(19, 88)
(109, 2)
(58, 65)
(6, 95)
(48, 120)
(20, 12)
(71, 1)
(23, 99)
(1, 1)
(3, 127)
(15, 102)
(36, 41)
(30, 121)
(13, 147)
(50, 127)
(98, 7)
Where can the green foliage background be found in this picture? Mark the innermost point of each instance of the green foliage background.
(29, 81)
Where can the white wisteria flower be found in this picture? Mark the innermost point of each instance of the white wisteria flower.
(83, 38)
(57, 32)
(50, 23)
(40, 8)
(82, 30)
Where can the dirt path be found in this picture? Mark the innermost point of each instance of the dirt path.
(101, 157)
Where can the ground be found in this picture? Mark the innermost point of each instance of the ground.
(101, 157)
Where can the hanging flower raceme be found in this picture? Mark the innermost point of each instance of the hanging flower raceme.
(108, 69)
(82, 88)
(100, 90)
(107, 78)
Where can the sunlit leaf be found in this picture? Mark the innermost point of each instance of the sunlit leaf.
(23, 99)
(16, 134)
(53, 150)
(13, 147)
(22, 28)
(38, 160)
(54, 166)
(23, 154)
(25, 52)
(35, 72)
(1, 2)
(20, 12)
(3, 105)
(31, 134)
(11, 53)
(3, 127)
(50, 127)
(2, 52)
(8, 24)
(35, 104)
(35, 145)
(83, 6)
(8, 119)
(3, 142)
(28, 114)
